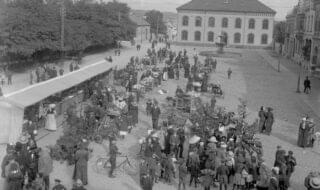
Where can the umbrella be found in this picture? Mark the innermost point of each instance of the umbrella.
(194, 139)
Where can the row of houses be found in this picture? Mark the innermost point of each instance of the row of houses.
(302, 40)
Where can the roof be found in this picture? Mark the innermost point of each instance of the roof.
(140, 21)
(35, 93)
(247, 6)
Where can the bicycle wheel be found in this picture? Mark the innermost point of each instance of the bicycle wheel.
(131, 167)
(101, 165)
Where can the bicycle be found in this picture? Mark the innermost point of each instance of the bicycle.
(124, 165)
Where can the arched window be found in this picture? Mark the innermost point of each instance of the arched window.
(265, 24)
(198, 21)
(225, 23)
(197, 36)
(264, 39)
(238, 23)
(184, 35)
(250, 38)
(185, 21)
(210, 36)
(237, 38)
(252, 23)
(212, 22)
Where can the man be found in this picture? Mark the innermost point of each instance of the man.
(9, 76)
(269, 121)
(113, 158)
(155, 114)
(229, 73)
(147, 182)
(307, 85)
(291, 163)
(58, 185)
(45, 166)
(81, 164)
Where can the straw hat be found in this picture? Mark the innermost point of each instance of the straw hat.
(315, 182)
(23, 139)
(223, 145)
(213, 139)
(52, 105)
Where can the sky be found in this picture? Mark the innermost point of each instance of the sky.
(282, 7)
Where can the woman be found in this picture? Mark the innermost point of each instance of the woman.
(51, 123)
(14, 176)
(269, 121)
(262, 119)
(303, 133)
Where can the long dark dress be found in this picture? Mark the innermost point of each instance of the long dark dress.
(81, 166)
(303, 135)
(269, 122)
(262, 120)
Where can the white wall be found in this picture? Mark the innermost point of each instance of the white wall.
(231, 30)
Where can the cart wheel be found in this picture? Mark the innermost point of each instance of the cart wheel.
(102, 165)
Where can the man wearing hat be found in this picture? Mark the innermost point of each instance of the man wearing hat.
(269, 121)
(81, 164)
(155, 114)
(58, 185)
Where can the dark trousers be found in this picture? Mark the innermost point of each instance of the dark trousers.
(113, 166)
(46, 180)
(194, 177)
(155, 123)
(307, 89)
(207, 188)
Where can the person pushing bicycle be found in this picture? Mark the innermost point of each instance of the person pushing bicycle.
(113, 157)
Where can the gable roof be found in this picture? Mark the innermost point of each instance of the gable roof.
(247, 6)
(139, 20)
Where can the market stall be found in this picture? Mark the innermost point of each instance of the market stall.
(12, 105)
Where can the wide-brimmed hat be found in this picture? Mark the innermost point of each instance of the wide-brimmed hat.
(213, 139)
(314, 182)
(52, 105)
(23, 139)
(195, 139)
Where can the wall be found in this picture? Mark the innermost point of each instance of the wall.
(142, 32)
(231, 30)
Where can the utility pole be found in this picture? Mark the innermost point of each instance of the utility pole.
(62, 15)
(157, 26)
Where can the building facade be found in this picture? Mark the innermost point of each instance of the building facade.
(214, 20)
(143, 28)
(302, 36)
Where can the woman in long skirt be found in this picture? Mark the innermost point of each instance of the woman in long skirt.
(51, 122)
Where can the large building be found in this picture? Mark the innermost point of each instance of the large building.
(143, 28)
(240, 22)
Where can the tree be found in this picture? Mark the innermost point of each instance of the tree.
(155, 19)
(280, 33)
(34, 26)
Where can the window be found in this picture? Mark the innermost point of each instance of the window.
(238, 23)
(184, 35)
(197, 36)
(265, 24)
(185, 21)
(264, 39)
(225, 23)
(210, 36)
(250, 38)
(212, 22)
(237, 38)
(252, 23)
(198, 21)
